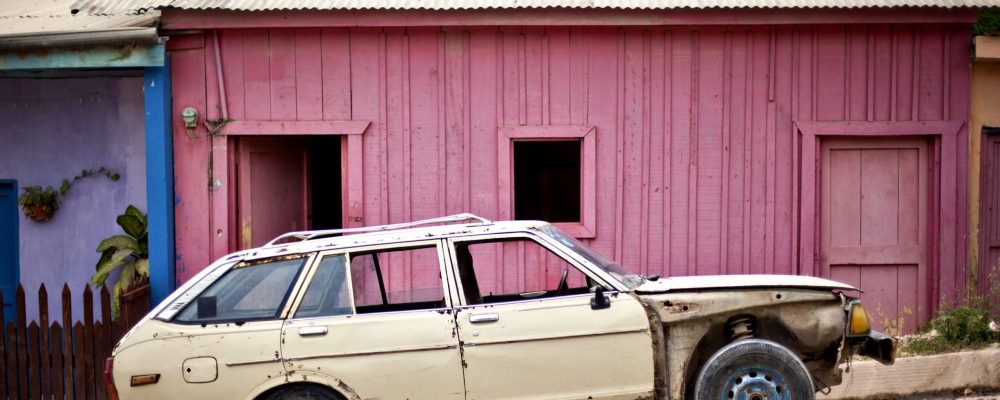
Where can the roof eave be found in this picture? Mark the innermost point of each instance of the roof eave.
(180, 19)
(107, 37)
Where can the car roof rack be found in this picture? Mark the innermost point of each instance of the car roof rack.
(309, 235)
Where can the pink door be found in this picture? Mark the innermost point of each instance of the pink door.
(273, 181)
(989, 259)
(874, 225)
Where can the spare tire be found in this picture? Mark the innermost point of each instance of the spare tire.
(754, 369)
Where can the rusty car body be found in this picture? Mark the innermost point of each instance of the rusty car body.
(321, 315)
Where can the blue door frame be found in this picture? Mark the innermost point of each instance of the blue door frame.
(159, 180)
(9, 244)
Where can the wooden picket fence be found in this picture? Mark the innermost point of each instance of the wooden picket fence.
(43, 360)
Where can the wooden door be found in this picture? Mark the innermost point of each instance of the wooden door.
(273, 179)
(989, 256)
(874, 225)
(9, 263)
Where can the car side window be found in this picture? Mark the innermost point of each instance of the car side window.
(249, 291)
(540, 273)
(398, 279)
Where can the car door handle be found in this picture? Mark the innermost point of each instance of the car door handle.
(479, 318)
(312, 331)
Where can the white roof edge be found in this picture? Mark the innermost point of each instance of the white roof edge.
(99, 7)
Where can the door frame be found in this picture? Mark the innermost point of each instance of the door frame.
(222, 198)
(943, 218)
(16, 247)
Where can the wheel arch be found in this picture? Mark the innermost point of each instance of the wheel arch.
(303, 378)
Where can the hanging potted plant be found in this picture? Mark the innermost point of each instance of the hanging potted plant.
(37, 203)
(40, 204)
(130, 252)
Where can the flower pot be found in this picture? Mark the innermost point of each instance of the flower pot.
(39, 212)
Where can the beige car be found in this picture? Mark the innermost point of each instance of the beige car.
(464, 308)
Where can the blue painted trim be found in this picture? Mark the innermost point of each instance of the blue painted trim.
(97, 57)
(11, 315)
(159, 180)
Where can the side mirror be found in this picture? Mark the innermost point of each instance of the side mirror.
(600, 301)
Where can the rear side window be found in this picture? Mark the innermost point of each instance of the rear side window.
(247, 292)
(390, 280)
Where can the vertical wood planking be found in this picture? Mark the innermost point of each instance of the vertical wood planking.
(22, 345)
(308, 75)
(58, 371)
(11, 360)
(281, 57)
(455, 134)
(698, 158)
(31, 369)
(67, 341)
(87, 349)
(231, 50)
(191, 202)
(257, 74)
(336, 75)
(45, 375)
(631, 152)
(709, 151)
(784, 161)
(738, 145)
(655, 258)
(680, 146)
(366, 105)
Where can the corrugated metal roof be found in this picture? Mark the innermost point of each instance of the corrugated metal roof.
(99, 7)
(31, 17)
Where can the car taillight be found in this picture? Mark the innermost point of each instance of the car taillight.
(109, 365)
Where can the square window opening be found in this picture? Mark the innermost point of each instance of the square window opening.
(547, 180)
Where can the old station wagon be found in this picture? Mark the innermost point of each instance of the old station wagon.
(419, 311)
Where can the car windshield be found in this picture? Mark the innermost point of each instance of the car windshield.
(630, 279)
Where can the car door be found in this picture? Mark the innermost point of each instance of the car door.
(529, 331)
(378, 320)
(223, 336)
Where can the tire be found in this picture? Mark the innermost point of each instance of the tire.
(303, 392)
(754, 369)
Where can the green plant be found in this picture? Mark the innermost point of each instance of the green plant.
(37, 203)
(962, 327)
(987, 22)
(129, 251)
(40, 204)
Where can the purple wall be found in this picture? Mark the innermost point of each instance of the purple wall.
(50, 130)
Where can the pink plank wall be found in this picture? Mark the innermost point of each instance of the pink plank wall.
(697, 155)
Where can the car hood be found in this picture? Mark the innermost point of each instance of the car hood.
(739, 282)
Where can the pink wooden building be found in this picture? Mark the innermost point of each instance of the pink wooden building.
(679, 141)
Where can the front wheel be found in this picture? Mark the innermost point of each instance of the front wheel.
(754, 369)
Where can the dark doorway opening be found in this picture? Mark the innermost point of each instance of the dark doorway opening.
(327, 187)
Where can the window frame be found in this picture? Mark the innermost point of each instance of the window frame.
(507, 135)
(610, 286)
(438, 244)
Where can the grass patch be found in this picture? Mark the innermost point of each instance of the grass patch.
(960, 328)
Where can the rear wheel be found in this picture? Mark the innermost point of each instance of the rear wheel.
(303, 392)
(754, 369)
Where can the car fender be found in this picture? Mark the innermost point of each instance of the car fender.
(330, 382)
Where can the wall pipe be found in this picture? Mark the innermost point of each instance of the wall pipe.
(218, 72)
